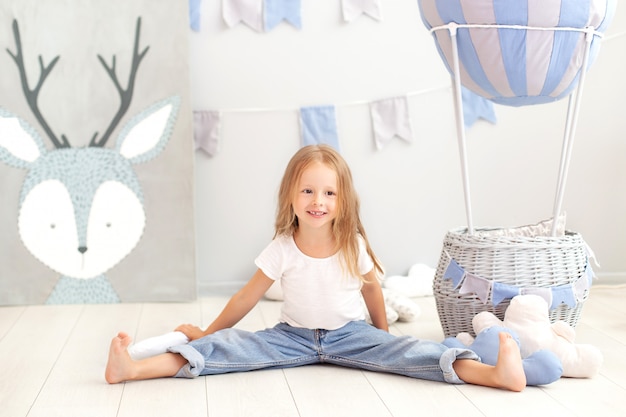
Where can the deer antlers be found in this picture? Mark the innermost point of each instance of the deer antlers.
(32, 95)
(125, 95)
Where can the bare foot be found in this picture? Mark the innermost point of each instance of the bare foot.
(509, 370)
(120, 365)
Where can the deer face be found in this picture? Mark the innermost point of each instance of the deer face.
(81, 209)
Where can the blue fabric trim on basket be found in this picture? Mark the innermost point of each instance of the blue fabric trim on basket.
(569, 294)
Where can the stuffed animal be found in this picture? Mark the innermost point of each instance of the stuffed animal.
(397, 305)
(156, 345)
(418, 283)
(541, 367)
(528, 316)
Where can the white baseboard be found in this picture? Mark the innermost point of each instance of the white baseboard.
(610, 278)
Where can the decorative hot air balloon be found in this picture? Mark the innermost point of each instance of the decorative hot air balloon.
(516, 53)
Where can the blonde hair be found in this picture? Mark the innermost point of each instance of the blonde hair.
(347, 225)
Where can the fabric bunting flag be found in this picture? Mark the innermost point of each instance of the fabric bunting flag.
(501, 291)
(589, 273)
(206, 130)
(319, 126)
(355, 8)
(249, 12)
(194, 14)
(390, 118)
(569, 294)
(563, 294)
(582, 285)
(454, 272)
(476, 285)
(476, 107)
(278, 10)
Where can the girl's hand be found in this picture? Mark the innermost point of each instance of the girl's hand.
(191, 331)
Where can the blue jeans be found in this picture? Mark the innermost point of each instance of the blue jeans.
(355, 345)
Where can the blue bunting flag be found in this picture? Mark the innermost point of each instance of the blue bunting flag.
(563, 294)
(278, 10)
(569, 294)
(501, 291)
(476, 107)
(318, 125)
(194, 15)
(454, 272)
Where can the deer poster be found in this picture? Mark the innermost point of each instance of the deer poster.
(96, 152)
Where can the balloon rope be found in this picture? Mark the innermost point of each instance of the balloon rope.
(457, 26)
(460, 128)
(570, 130)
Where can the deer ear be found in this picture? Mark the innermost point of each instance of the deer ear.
(146, 134)
(20, 145)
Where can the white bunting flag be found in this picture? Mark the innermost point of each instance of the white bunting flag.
(249, 12)
(355, 8)
(390, 118)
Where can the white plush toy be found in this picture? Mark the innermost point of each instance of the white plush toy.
(418, 283)
(156, 345)
(397, 305)
(528, 316)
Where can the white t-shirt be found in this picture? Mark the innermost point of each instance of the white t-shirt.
(317, 294)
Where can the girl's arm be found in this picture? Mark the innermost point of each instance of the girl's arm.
(237, 307)
(373, 296)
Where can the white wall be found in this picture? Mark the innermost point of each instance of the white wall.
(411, 192)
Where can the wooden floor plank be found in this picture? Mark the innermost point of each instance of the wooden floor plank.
(9, 317)
(168, 396)
(589, 397)
(533, 401)
(76, 385)
(408, 397)
(29, 351)
(605, 311)
(613, 352)
(250, 394)
(164, 397)
(326, 390)
(159, 318)
(58, 371)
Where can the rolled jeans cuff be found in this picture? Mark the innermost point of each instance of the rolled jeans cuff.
(447, 359)
(195, 361)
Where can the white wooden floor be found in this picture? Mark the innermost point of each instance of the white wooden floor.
(52, 361)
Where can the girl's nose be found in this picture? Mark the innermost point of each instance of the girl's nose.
(317, 200)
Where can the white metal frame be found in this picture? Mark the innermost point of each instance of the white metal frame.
(570, 124)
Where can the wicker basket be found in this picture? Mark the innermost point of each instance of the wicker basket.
(540, 261)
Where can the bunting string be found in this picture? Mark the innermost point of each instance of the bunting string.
(390, 118)
(469, 283)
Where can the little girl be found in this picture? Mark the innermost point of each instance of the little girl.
(324, 261)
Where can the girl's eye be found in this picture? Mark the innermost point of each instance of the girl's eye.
(307, 191)
(330, 193)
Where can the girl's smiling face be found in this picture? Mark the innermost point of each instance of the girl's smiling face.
(315, 201)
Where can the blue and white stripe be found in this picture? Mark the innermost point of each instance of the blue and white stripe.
(518, 52)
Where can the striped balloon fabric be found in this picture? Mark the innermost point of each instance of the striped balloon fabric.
(518, 52)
